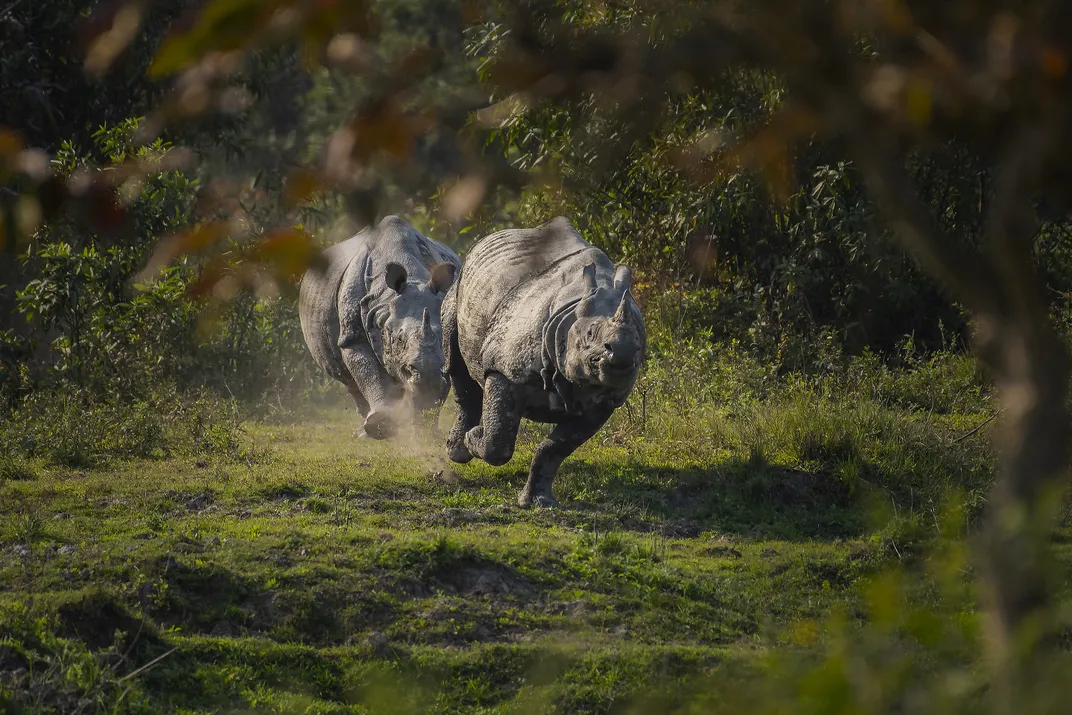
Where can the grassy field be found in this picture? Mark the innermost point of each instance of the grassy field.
(302, 570)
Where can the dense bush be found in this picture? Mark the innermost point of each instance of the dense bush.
(106, 359)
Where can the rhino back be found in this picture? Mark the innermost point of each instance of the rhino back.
(394, 240)
(318, 303)
(513, 341)
(499, 263)
(397, 241)
(512, 283)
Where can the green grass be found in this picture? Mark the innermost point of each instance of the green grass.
(326, 574)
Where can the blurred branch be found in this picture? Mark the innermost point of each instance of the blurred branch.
(961, 272)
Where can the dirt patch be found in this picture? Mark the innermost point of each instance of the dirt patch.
(285, 491)
(492, 580)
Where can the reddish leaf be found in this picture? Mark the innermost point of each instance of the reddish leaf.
(11, 143)
(170, 248)
(383, 128)
(302, 185)
(222, 25)
(104, 211)
(289, 249)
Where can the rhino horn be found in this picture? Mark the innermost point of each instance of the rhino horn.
(621, 316)
(426, 324)
(590, 277)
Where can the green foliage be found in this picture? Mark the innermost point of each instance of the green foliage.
(76, 430)
(112, 355)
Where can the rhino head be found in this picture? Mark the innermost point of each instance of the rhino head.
(411, 334)
(606, 344)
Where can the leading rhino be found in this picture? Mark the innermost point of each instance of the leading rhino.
(540, 325)
(370, 317)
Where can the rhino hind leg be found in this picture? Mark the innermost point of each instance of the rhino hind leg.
(493, 439)
(563, 441)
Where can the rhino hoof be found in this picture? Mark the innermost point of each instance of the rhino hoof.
(459, 454)
(378, 426)
(540, 501)
(473, 438)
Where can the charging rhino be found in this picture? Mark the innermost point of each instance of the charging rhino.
(370, 317)
(540, 325)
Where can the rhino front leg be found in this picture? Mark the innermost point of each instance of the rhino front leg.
(493, 439)
(467, 393)
(470, 399)
(376, 388)
(563, 441)
(362, 405)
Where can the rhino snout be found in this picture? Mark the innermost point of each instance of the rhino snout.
(618, 361)
(426, 383)
(429, 391)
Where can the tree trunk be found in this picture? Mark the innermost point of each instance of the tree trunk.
(1029, 364)
(1030, 367)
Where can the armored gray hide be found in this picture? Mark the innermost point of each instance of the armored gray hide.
(540, 325)
(371, 320)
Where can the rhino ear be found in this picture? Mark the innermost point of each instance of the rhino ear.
(623, 277)
(442, 277)
(395, 275)
(590, 277)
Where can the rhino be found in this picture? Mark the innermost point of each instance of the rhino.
(370, 317)
(539, 325)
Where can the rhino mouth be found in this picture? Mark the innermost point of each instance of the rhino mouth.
(617, 369)
(428, 393)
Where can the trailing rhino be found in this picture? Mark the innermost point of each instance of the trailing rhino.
(370, 317)
(540, 325)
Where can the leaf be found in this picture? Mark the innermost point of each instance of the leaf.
(384, 127)
(302, 185)
(103, 208)
(187, 242)
(768, 149)
(290, 249)
(464, 197)
(222, 25)
(108, 31)
(11, 142)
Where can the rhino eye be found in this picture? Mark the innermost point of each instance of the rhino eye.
(591, 331)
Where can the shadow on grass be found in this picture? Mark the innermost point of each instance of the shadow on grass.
(744, 497)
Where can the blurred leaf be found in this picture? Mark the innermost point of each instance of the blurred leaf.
(108, 31)
(384, 127)
(302, 185)
(187, 242)
(102, 208)
(11, 142)
(221, 25)
(289, 249)
(464, 197)
(767, 151)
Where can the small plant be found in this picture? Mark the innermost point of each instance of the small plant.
(15, 469)
(26, 528)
